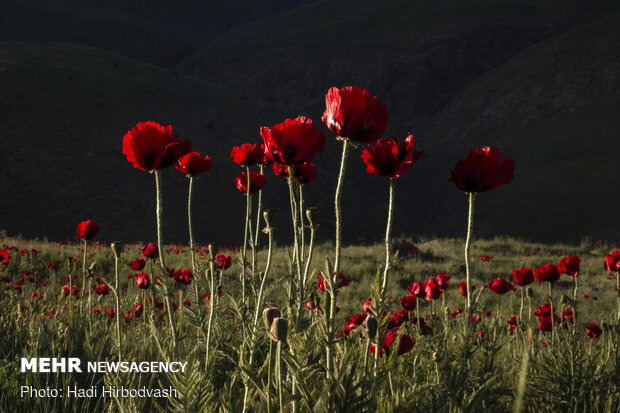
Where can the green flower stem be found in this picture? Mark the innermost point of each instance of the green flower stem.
(337, 203)
(269, 376)
(302, 232)
(279, 372)
(260, 206)
(521, 308)
(618, 291)
(470, 222)
(189, 222)
(297, 250)
(552, 320)
(158, 210)
(118, 307)
(338, 210)
(248, 212)
(388, 233)
(84, 276)
(211, 271)
(309, 257)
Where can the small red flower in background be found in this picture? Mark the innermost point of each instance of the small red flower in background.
(482, 171)
(194, 164)
(367, 305)
(111, 312)
(463, 286)
(569, 265)
(593, 331)
(142, 280)
(351, 112)
(137, 264)
(87, 229)
(304, 173)
(150, 250)
(523, 276)
(568, 315)
(5, 258)
(150, 146)
(417, 289)
(405, 345)
(408, 302)
(500, 286)
(484, 258)
(442, 280)
(293, 141)
(512, 321)
(182, 276)
(544, 324)
(102, 289)
(547, 273)
(138, 308)
(257, 182)
(432, 289)
(222, 261)
(342, 281)
(249, 154)
(386, 158)
(612, 261)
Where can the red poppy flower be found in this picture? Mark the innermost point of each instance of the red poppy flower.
(352, 113)
(150, 250)
(568, 315)
(343, 281)
(183, 276)
(612, 261)
(463, 286)
(222, 261)
(408, 302)
(249, 154)
(513, 320)
(386, 158)
(138, 308)
(87, 229)
(194, 164)
(523, 276)
(150, 145)
(442, 280)
(304, 173)
(257, 182)
(357, 320)
(111, 312)
(293, 141)
(417, 289)
(102, 289)
(547, 273)
(569, 265)
(544, 324)
(482, 170)
(405, 345)
(367, 305)
(137, 264)
(142, 280)
(432, 289)
(593, 331)
(500, 286)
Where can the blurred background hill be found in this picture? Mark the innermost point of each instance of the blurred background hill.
(538, 80)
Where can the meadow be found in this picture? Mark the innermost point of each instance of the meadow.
(484, 366)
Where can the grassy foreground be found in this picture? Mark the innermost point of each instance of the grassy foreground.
(454, 365)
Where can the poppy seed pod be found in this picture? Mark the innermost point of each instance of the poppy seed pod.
(279, 329)
(269, 314)
(117, 248)
(269, 215)
(313, 214)
(372, 326)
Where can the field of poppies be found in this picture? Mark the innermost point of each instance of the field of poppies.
(410, 325)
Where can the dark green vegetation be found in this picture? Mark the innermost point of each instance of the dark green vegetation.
(452, 369)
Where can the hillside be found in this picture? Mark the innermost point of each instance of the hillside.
(64, 112)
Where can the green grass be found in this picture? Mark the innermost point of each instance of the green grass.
(470, 373)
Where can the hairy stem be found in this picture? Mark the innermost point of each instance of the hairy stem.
(470, 222)
(158, 211)
(189, 222)
(388, 233)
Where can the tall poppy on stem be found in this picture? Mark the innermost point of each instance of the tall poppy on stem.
(548, 273)
(523, 277)
(570, 266)
(481, 171)
(354, 115)
(192, 165)
(150, 147)
(86, 230)
(612, 263)
(291, 143)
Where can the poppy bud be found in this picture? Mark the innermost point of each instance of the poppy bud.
(371, 326)
(93, 265)
(436, 356)
(529, 293)
(313, 214)
(212, 249)
(269, 314)
(279, 329)
(270, 217)
(117, 248)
